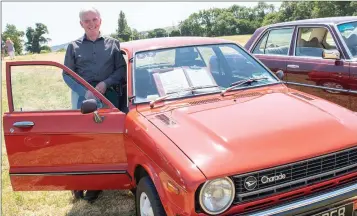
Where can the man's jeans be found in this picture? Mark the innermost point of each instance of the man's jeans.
(74, 100)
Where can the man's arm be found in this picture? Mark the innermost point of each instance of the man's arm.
(70, 62)
(119, 72)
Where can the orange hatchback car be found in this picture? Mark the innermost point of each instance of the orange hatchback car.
(196, 133)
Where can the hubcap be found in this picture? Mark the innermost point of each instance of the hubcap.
(145, 205)
(333, 85)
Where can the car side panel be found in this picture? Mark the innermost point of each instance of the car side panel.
(353, 84)
(274, 63)
(353, 73)
(318, 72)
(112, 181)
(166, 164)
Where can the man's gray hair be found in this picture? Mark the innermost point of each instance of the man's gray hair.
(88, 9)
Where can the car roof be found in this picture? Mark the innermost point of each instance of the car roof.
(168, 42)
(325, 20)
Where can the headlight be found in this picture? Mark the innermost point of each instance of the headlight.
(217, 195)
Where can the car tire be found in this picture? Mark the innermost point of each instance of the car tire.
(146, 195)
(77, 194)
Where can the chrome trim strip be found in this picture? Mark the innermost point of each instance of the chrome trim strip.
(322, 87)
(310, 201)
(69, 173)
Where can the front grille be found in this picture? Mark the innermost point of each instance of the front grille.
(299, 174)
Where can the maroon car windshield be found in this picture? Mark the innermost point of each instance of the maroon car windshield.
(349, 34)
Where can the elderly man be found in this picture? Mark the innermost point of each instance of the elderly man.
(98, 60)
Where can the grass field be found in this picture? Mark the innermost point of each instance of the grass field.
(53, 203)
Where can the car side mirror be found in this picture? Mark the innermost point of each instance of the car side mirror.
(331, 54)
(280, 74)
(89, 106)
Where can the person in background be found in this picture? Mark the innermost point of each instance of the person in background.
(98, 60)
(2, 50)
(10, 48)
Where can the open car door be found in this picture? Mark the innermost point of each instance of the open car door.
(50, 143)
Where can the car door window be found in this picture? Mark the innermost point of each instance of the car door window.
(46, 88)
(275, 42)
(311, 41)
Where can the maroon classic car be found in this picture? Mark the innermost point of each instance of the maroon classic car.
(319, 52)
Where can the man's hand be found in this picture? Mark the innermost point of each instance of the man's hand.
(90, 95)
(101, 87)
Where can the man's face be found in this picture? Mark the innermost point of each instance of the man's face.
(91, 23)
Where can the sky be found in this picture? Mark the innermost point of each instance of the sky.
(62, 19)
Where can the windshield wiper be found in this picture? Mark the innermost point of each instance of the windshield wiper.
(152, 103)
(241, 82)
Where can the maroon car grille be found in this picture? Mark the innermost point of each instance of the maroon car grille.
(297, 175)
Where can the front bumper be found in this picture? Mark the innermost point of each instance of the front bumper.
(315, 203)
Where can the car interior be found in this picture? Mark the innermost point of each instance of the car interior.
(351, 42)
(221, 67)
(312, 42)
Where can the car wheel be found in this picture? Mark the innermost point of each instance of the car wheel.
(332, 85)
(147, 199)
(77, 194)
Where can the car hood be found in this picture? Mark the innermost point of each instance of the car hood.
(250, 133)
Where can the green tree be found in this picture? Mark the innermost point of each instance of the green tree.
(192, 26)
(226, 24)
(158, 32)
(16, 36)
(35, 38)
(175, 33)
(123, 30)
(334, 8)
(271, 18)
(135, 34)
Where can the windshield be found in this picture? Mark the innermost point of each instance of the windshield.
(349, 34)
(212, 67)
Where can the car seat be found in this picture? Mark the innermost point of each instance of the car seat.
(352, 44)
(187, 57)
(143, 83)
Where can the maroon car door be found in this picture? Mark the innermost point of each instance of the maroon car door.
(50, 143)
(353, 84)
(307, 66)
(272, 49)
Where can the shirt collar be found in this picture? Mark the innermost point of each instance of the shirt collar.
(99, 37)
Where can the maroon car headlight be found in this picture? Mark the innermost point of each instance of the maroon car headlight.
(217, 195)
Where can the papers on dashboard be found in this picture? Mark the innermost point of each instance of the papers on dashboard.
(200, 77)
(178, 79)
(173, 81)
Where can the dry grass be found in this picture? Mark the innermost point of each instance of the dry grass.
(240, 39)
(41, 203)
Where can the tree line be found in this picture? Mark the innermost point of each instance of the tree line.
(237, 20)
(213, 22)
(36, 42)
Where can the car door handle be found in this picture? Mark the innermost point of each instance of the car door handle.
(293, 66)
(24, 124)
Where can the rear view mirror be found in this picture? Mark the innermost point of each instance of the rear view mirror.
(331, 54)
(280, 74)
(89, 106)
